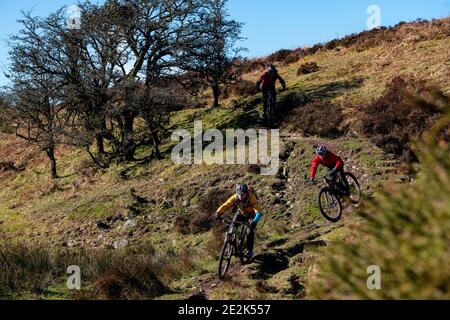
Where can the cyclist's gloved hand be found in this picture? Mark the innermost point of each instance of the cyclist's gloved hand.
(312, 180)
(332, 172)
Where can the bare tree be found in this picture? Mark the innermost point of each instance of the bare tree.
(36, 112)
(210, 49)
(89, 85)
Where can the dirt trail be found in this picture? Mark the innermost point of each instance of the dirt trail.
(274, 256)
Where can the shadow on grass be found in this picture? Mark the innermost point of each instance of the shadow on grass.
(333, 89)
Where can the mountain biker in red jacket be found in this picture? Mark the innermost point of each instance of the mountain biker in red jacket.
(328, 159)
(266, 84)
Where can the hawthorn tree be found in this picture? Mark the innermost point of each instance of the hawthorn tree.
(97, 57)
(36, 112)
(151, 32)
(210, 47)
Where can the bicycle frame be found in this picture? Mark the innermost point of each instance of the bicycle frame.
(333, 184)
(234, 230)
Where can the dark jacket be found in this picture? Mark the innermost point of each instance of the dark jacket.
(269, 79)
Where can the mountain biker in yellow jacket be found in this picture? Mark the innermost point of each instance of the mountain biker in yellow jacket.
(250, 210)
(266, 84)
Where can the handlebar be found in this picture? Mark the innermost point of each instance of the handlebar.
(317, 179)
(225, 220)
(324, 177)
(229, 222)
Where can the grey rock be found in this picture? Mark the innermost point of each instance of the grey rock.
(120, 244)
(71, 244)
(130, 223)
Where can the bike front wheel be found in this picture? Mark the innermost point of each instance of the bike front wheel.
(225, 258)
(329, 205)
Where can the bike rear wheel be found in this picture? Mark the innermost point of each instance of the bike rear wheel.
(355, 189)
(329, 205)
(225, 258)
(270, 110)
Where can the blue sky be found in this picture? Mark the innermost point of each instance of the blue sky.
(272, 25)
(269, 25)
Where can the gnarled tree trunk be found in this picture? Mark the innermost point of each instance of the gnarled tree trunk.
(51, 155)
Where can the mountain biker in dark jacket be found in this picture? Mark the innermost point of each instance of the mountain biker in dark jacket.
(266, 84)
(328, 159)
(250, 210)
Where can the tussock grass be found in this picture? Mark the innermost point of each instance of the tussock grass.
(134, 273)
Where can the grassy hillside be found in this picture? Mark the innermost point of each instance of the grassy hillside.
(156, 204)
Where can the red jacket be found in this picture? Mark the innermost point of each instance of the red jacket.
(268, 80)
(330, 161)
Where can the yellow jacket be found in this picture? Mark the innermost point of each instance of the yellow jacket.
(251, 208)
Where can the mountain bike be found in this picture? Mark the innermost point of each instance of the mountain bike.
(330, 196)
(234, 245)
